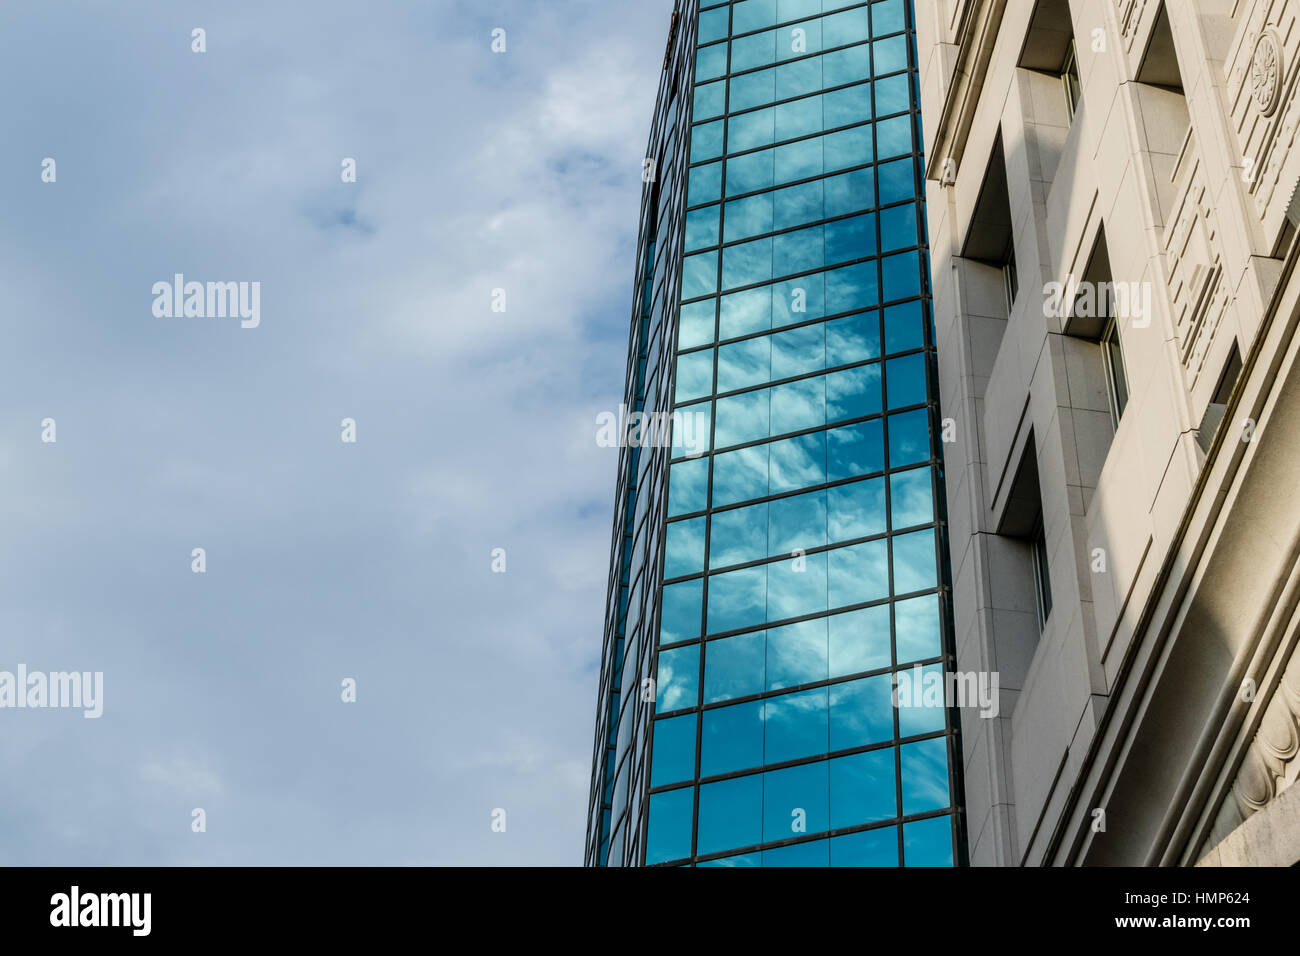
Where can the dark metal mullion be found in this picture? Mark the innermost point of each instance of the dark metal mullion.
(884, 304)
(777, 496)
(861, 606)
(806, 377)
(947, 625)
(776, 187)
(803, 325)
(873, 747)
(672, 290)
(794, 689)
(845, 423)
(777, 559)
(708, 520)
(825, 131)
(825, 221)
(884, 389)
(825, 835)
(750, 71)
(796, 22)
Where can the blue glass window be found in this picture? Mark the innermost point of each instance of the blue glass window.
(732, 738)
(740, 475)
(682, 605)
(914, 564)
(731, 814)
(734, 667)
(916, 626)
(796, 587)
(796, 725)
(928, 842)
(704, 184)
(921, 707)
(710, 62)
(796, 654)
(855, 450)
(814, 853)
(859, 640)
(668, 831)
(695, 326)
(688, 486)
(674, 743)
(911, 501)
(862, 790)
(713, 25)
(737, 599)
(702, 227)
(909, 438)
(684, 548)
(877, 847)
(925, 775)
(861, 712)
(678, 684)
(795, 802)
(859, 573)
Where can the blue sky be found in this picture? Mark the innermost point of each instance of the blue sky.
(325, 560)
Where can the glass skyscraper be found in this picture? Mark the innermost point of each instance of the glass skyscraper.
(782, 561)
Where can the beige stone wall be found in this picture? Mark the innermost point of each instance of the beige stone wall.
(1127, 708)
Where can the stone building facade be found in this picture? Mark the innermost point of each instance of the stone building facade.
(1112, 210)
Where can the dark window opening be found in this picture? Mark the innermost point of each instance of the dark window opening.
(1070, 80)
(990, 239)
(1023, 522)
(1012, 280)
(1049, 48)
(1094, 316)
(1042, 578)
(1218, 406)
(1160, 61)
(1112, 357)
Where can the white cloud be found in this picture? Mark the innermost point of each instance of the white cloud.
(325, 560)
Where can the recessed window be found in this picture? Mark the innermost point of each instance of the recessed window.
(1159, 66)
(1049, 50)
(1112, 358)
(991, 240)
(1070, 80)
(1095, 315)
(1042, 579)
(1218, 406)
(1009, 278)
(1023, 561)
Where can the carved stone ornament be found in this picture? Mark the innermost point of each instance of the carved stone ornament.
(1266, 72)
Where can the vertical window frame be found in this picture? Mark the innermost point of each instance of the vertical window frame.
(1117, 388)
(1071, 82)
(1042, 575)
(1010, 278)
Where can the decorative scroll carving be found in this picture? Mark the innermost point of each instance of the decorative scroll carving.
(1270, 764)
(1266, 72)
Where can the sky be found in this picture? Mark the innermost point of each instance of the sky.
(325, 560)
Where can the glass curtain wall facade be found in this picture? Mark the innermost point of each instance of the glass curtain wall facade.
(800, 565)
